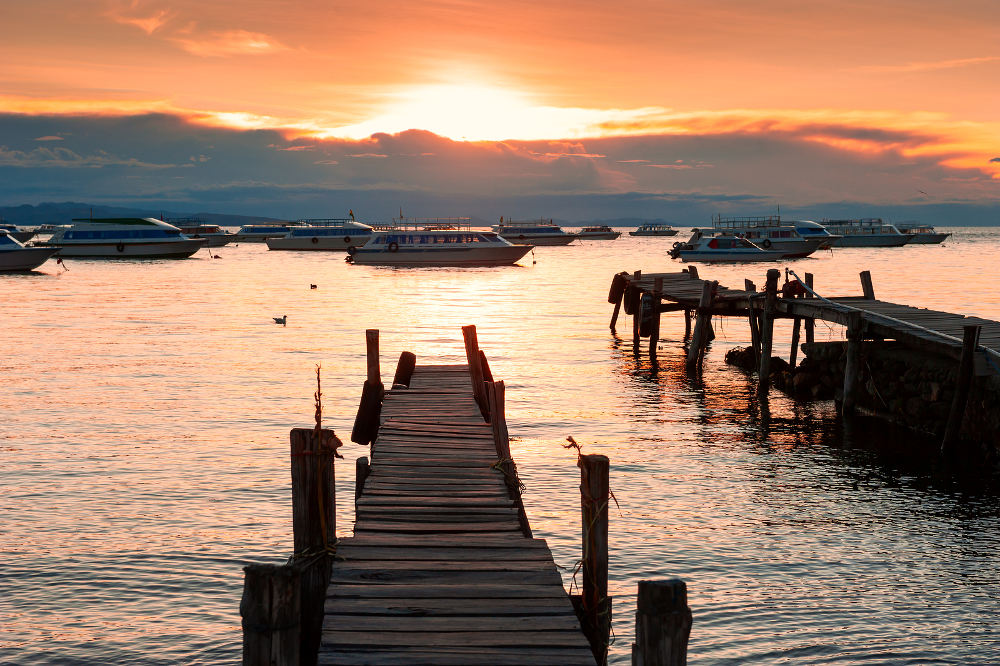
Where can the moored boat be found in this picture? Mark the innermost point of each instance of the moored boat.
(866, 232)
(15, 232)
(536, 232)
(598, 232)
(326, 234)
(653, 229)
(434, 247)
(794, 238)
(258, 233)
(14, 256)
(922, 234)
(709, 245)
(212, 233)
(123, 237)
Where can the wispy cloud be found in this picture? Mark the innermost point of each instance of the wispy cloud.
(50, 137)
(136, 14)
(929, 66)
(65, 158)
(228, 43)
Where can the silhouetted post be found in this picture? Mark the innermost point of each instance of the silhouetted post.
(867, 288)
(810, 322)
(371, 345)
(314, 527)
(496, 394)
(362, 468)
(970, 341)
(270, 609)
(794, 352)
(366, 421)
(852, 366)
(767, 332)
(654, 332)
(404, 369)
(595, 492)
(693, 272)
(615, 295)
(484, 365)
(636, 310)
(687, 323)
(475, 368)
(662, 623)
(696, 347)
(751, 288)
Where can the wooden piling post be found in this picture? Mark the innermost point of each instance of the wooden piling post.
(371, 345)
(693, 272)
(475, 368)
(484, 366)
(696, 347)
(595, 492)
(852, 367)
(810, 322)
(866, 285)
(662, 623)
(687, 323)
(362, 468)
(767, 332)
(636, 310)
(271, 610)
(496, 394)
(794, 352)
(404, 369)
(970, 341)
(654, 333)
(314, 528)
(616, 294)
(750, 287)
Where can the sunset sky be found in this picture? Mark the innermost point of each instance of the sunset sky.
(285, 109)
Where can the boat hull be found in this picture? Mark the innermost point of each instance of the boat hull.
(598, 235)
(667, 232)
(25, 259)
(493, 256)
(540, 239)
(927, 239)
(175, 249)
(714, 256)
(327, 243)
(214, 240)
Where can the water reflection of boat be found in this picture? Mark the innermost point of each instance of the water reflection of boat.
(598, 232)
(123, 237)
(437, 248)
(921, 234)
(710, 246)
(14, 256)
(653, 229)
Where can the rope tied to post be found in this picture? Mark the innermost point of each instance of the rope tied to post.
(510, 474)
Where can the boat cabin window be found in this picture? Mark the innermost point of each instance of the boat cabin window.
(6, 240)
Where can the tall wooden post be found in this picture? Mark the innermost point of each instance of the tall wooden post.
(767, 332)
(595, 492)
(496, 394)
(750, 287)
(970, 341)
(696, 347)
(662, 624)
(314, 527)
(852, 367)
(616, 294)
(271, 611)
(810, 322)
(371, 345)
(404, 369)
(794, 352)
(687, 324)
(867, 288)
(654, 333)
(475, 368)
(636, 310)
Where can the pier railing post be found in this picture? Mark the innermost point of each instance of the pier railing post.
(751, 288)
(271, 611)
(654, 331)
(496, 394)
(767, 331)
(404, 369)
(595, 492)
(314, 527)
(475, 368)
(852, 365)
(810, 322)
(867, 288)
(662, 623)
(696, 346)
(636, 310)
(371, 347)
(367, 420)
(970, 340)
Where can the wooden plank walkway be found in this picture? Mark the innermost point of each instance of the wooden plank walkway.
(439, 570)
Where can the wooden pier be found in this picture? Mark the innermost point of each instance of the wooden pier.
(442, 568)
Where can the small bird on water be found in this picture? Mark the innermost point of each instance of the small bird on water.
(283, 320)
(312, 286)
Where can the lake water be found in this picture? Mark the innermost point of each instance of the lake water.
(146, 408)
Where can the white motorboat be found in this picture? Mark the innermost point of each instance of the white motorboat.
(795, 238)
(258, 233)
(598, 232)
(436, 247)
(710, 245)
(18, 234)
(14, 256)
(922, 234)
(653, 229)
(123, 237)
(536, 232)
(213, 233)
(328, 234)
(866, 232)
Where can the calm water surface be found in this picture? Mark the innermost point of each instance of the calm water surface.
(146, 408)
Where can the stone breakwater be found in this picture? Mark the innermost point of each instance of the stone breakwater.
(900, 383)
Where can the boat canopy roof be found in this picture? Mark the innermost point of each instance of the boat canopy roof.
(130, 222)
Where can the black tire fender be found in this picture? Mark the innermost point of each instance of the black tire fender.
(393, 246)
(120, 247)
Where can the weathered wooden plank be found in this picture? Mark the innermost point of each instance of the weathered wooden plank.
(426, 528)
(436, 501)
(454, 638)
(490, 590)
(429, 554)
(341, 575)
(442, 566)
(449, 607)
(520, 656)
(454, 624)
(480, 541)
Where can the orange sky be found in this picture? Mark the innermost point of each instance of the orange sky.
(476, 70)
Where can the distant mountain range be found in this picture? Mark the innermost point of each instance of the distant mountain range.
(65, 212)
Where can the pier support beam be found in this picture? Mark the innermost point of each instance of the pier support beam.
(366, 421)
(595, 604)
(970, 341)
(703, 321)
(662, 624)
(810, 322)
(362, 468)
(767, 332)
(616, 294)
(271, 611)
(636, 310)
(754, 320)
(654, 331)
(852, 367)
